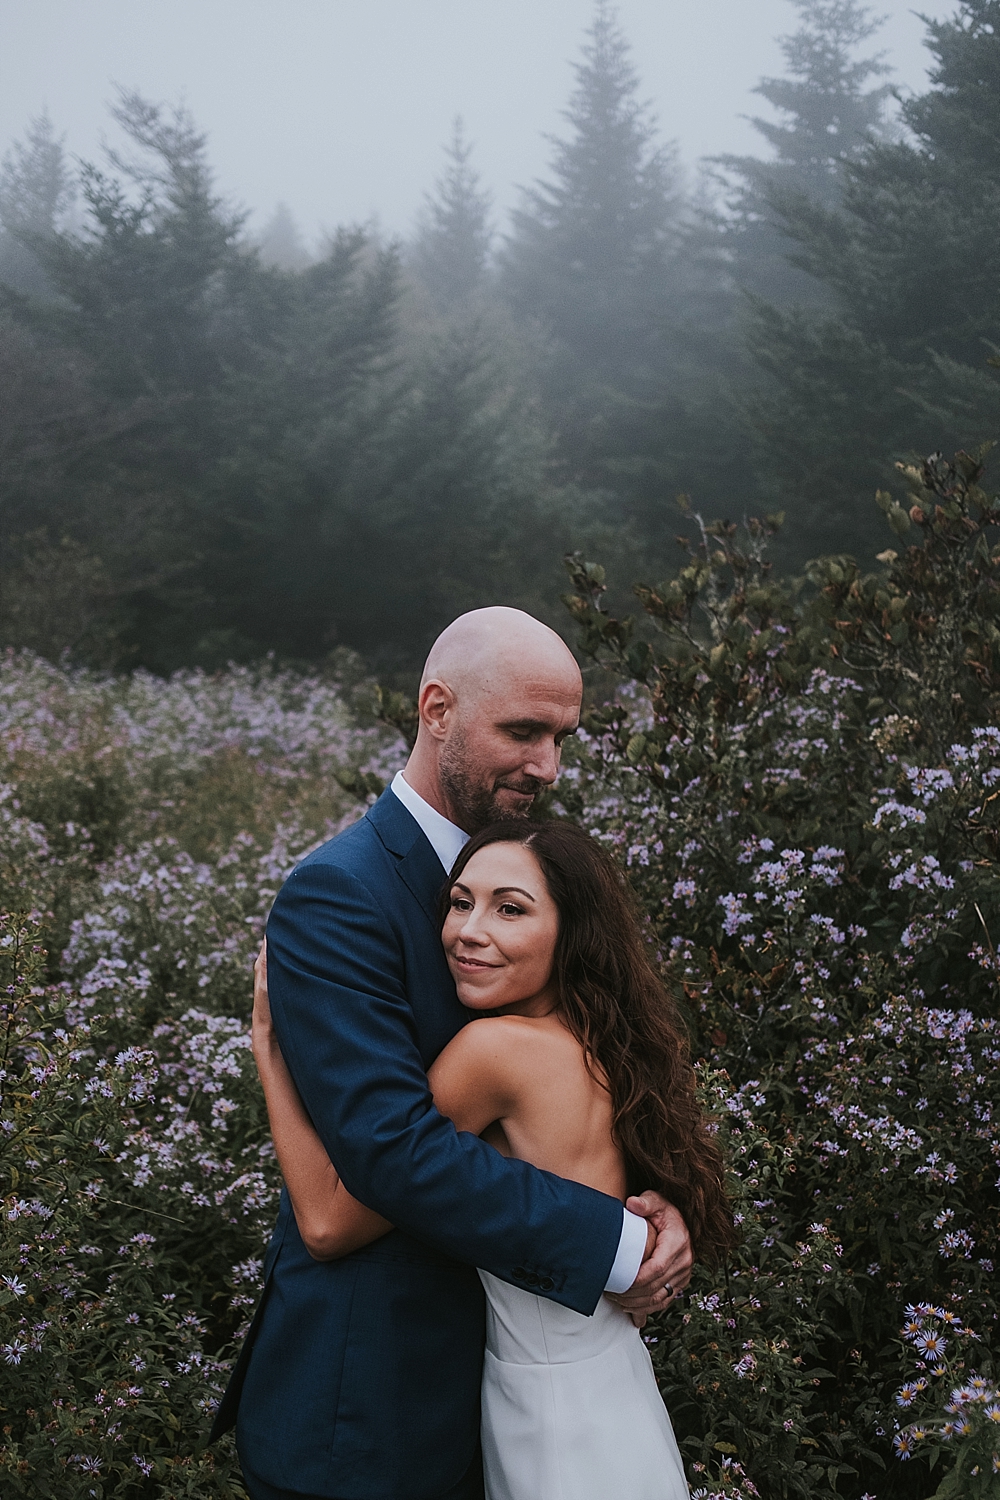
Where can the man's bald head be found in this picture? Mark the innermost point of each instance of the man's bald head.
(499, 693)
(487, 651)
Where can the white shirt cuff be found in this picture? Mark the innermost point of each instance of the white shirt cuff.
(631, 1249)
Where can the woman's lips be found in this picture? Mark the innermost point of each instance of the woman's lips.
(473, 964)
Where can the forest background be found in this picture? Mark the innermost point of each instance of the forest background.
(212, 448)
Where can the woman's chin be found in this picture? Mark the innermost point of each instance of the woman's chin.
(474, 999)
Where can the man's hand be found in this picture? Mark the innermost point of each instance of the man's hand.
(666, 1266)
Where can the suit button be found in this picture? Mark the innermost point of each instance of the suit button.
(545, 1284)
(519, 1273)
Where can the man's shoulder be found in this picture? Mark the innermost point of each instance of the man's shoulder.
(351, 850)
(352, 873)
(366, 848)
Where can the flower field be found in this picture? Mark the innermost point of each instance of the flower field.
(804, 785)
(144, 829)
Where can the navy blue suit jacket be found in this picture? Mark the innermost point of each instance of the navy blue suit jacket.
(360, 1377)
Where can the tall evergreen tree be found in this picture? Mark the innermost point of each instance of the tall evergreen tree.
(915, 256)
(36, 190)
(591, 249)
(455, 506)
(630, 306)
(912, 261)
(141, 287)
(452, 245)
(827, 117)
(280, 242)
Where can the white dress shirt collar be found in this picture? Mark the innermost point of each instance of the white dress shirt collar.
(446, 839)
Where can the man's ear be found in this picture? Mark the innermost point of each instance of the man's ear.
(434, 705)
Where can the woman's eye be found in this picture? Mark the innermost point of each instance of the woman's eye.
(460, 903)
(511, 909)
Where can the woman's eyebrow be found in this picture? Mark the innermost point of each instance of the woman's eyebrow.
(457, 885)
(503, 889)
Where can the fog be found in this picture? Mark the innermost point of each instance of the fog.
(208, 455)
(339, 108)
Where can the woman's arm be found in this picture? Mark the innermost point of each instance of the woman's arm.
(330, 1221)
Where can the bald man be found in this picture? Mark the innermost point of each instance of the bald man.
(360, 1377)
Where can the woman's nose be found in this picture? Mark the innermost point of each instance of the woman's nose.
(471, 930)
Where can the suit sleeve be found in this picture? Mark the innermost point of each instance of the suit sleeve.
(338, 998)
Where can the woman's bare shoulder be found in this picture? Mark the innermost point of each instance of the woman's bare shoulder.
(508, 1038)
(483, 1070)
(518, 1043)
(494, 1034)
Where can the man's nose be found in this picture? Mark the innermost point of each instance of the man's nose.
(544, 763)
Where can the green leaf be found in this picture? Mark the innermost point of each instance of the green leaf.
(898, 520)
(635, 748)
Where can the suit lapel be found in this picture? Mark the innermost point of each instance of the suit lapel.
(423, 874)
(416, 863)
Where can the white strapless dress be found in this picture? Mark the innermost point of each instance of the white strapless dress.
(571, 1410)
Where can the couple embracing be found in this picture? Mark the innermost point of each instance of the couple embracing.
(459, 1272)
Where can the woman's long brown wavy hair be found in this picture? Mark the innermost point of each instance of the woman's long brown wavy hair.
(615, 1004)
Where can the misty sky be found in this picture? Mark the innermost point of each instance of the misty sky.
(340, 107)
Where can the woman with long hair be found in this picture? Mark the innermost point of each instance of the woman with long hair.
(577, 1063)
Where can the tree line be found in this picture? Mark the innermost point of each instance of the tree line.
(212, 448)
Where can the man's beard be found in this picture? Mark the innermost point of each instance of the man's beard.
(474, 804)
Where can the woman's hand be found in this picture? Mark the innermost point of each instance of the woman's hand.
(262, 1027)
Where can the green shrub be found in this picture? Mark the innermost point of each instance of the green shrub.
(804, 783)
